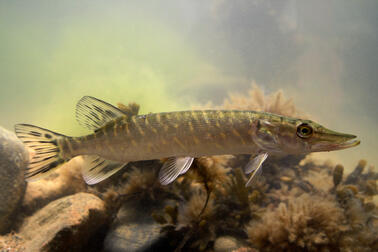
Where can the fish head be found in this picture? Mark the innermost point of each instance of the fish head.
(297, 136)
(323, 139)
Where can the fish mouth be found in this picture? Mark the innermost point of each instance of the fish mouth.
(348, 142)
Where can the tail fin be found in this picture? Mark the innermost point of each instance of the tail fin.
(44, 143)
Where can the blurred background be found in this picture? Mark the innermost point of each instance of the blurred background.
(175, 54)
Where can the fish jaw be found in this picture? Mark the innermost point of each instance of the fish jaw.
(332, 141)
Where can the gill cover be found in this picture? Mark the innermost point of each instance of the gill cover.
(265, 135)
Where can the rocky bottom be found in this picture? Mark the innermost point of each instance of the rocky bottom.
(296, 207)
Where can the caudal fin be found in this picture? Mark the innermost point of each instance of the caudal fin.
(47, 154)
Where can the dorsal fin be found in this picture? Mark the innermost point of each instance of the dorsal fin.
(93, 113)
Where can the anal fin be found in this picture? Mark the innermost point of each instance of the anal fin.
(174, 167)
(96, 169)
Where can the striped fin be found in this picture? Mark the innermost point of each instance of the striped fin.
(95, 169)
(93, 113)
(254, 176)
(174, 167)
(46, 154)
(255, 166)
(255, 162)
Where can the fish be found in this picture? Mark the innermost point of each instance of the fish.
(118, 138)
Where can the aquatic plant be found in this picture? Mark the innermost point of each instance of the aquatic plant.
(338, 175)
(140, 185)
(308, 222)
(197, 219)
(192, 223)
(318, 216)
(193, 217)
(195, 209)
(355, 176)
(130, 110)
(256, 100)
(237, 205)
(143, 183)
(212, 171)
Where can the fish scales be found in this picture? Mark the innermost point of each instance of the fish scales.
(187, 133)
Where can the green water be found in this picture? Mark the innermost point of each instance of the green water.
(172, 55)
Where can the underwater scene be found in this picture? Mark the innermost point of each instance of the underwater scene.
(177, 125)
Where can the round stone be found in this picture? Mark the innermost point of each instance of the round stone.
(13, 160)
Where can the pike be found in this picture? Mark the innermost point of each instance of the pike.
(178, 136)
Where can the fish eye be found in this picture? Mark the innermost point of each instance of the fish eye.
(304, 130)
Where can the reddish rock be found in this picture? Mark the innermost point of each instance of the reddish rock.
(65, 224)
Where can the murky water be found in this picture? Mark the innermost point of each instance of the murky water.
(176, 55)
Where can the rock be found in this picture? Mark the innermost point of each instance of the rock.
(245, 249)
(226, 244)
(13, 160)
(67, 180)
(11, 242)
(65, 224)
(134, 230)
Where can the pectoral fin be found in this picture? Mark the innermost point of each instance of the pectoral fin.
(255, 162)
(174, 167)
(95, 169)
(254, 166)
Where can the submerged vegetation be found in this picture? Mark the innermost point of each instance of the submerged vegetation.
(297, 205)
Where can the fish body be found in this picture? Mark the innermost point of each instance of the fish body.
(155, 136)
(119, 138)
